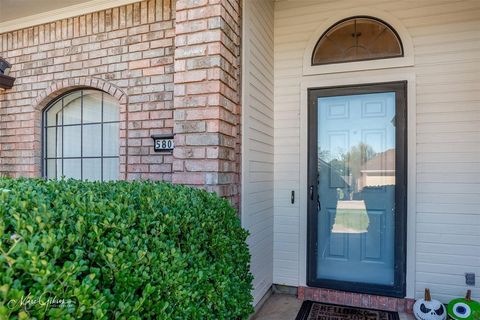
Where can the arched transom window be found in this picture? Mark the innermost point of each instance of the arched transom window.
(81, 136)
(357, 39)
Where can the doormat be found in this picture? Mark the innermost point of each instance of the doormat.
(311, 310)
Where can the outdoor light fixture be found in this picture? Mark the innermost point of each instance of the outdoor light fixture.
(6, 82)
(4, 67)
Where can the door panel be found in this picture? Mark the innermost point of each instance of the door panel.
(357, 174)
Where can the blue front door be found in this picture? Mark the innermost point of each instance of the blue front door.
(355, 183)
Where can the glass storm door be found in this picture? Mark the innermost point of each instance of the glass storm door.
(357, 193)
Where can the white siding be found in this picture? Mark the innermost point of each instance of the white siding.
(446, 38)
(257, 145)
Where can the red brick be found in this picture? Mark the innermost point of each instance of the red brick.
(204, 12)
(139, 64)
(154, 71)
(189, 178)
(203, 87)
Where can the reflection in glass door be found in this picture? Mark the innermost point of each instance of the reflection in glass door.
(356, 184)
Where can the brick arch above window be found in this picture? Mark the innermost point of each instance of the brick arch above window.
(60, 87)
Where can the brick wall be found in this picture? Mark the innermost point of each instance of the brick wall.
(126, 51)
(207, 95)
(174, 66)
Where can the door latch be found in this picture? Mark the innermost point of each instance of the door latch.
(312, 197)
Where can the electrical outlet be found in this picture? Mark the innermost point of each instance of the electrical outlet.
(470, 279)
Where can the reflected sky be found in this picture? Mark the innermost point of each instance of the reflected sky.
(354, 119)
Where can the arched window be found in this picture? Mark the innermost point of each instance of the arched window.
(81, 136)
(357, 39)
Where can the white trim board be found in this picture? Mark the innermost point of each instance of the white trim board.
(244, 100)
(62, 13)
(356, 78)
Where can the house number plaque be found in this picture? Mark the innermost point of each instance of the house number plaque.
(163, 143)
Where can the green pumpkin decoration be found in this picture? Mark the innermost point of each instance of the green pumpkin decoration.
(464, 308)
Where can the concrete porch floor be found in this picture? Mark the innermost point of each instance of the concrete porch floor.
(285, 307)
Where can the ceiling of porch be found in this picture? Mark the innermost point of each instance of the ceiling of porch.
(14, 9)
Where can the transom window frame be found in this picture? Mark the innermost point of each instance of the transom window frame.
(407, 60)
(354, 18)
(45, 126)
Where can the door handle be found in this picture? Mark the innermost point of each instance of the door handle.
(312, 197)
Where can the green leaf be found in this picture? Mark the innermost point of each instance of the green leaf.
(128, 250)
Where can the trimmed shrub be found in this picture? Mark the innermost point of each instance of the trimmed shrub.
(127, 250)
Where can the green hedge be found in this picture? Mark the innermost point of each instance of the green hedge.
(135, 250)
